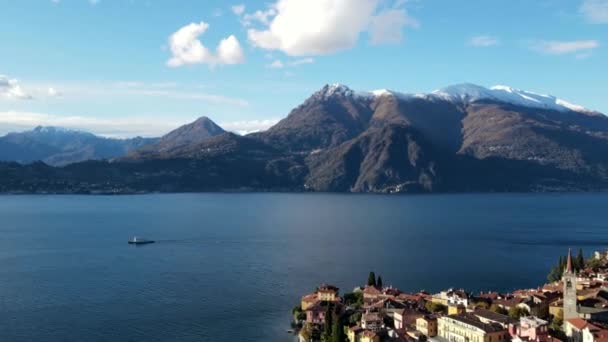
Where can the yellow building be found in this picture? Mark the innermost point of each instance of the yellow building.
(556, 309)
(467, 328)
(327, 293)
(427, 325)
(308, 301)
(456, 309)
(369, 336)
(358, 334)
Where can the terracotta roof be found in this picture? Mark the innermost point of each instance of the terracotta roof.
(578, 323)
(600, 334)
(371, 290)
(310, 297)
(368, 333)
(327, 288)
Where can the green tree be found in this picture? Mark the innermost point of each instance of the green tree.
(556, 271)
(371, 279)
(499, 309)
(436, 307)
(481, 305)
(517, 312)
(355, 299)
(556, 324)
(337, 329)
(379, 282)
(327, 334)
(579, 261)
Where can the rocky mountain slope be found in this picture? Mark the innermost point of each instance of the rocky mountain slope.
(457, 139)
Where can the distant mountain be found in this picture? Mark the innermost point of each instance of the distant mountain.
(58, 146)
(457, 139)
(182, 139)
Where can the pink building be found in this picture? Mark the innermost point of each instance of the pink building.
(530, 329)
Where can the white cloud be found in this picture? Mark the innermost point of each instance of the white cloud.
(186, 48)
(483, 41)
(277, 64)
(250, 126)
(261, 17)
(52, 92)
(387, 27)
(566, 47)
(11, 89)
(131, 89)
(596, 11)
(238, 9)
(321, 27)
(297, 62)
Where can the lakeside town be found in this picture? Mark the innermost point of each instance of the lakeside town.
(572, 307)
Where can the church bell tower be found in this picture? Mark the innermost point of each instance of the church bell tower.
(569, 280)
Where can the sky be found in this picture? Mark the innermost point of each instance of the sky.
(123, 68)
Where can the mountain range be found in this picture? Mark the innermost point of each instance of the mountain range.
(457, 139)
(58, 146)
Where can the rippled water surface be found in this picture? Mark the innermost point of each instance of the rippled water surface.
(229, 267)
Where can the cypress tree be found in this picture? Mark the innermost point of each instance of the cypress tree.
(337, 331)
(580, 260)
(327, 334)
(371, 279)
(379, 282)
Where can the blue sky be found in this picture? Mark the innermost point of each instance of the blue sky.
(143, 67)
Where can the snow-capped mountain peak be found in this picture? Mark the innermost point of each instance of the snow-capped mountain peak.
(464, 93)
(501, 93)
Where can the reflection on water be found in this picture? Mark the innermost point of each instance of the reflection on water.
(229, 267)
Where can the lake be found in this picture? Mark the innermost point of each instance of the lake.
(229, 267)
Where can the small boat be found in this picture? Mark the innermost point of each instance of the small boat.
(139, 241)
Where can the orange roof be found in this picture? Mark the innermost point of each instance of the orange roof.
(368, 333)
(578, 323)
(371, 290)
(310, 297)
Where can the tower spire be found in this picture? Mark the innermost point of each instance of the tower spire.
(569, 261)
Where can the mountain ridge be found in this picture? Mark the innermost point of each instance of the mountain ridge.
(461, 139)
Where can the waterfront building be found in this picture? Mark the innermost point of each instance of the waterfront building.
(468, 328)
(308, 301)
(327, 293)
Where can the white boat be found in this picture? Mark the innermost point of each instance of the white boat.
(139, 241)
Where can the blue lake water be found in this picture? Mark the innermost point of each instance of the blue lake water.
(229, 267)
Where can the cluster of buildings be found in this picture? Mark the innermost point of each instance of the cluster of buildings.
(573, 309)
